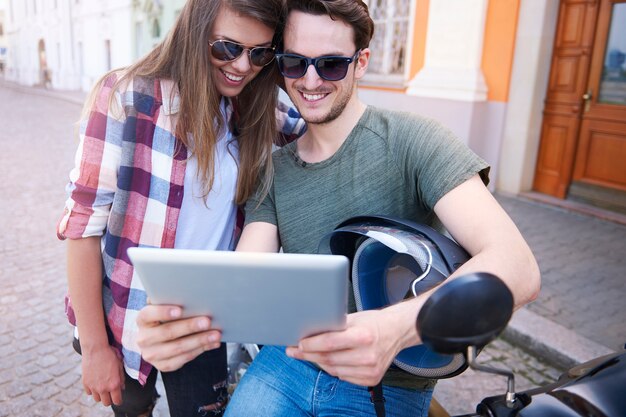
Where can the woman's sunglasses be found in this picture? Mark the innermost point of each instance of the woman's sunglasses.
(227, 51)
(330, 68)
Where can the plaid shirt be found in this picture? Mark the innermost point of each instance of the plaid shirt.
(127, 186)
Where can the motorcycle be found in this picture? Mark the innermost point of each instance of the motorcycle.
(467, 313)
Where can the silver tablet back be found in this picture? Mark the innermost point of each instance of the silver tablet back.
(263, 298)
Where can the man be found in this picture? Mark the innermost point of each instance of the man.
(353, 160)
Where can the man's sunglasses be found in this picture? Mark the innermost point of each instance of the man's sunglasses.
(330, 68)
(227, 51)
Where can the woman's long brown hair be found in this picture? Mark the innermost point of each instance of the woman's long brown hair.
(184, 58)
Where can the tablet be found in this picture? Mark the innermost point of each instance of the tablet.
(263, 298)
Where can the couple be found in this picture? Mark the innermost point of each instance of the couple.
(352, 160)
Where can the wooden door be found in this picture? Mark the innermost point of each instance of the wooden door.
(583, 140)
(566, 86)
(601, 151)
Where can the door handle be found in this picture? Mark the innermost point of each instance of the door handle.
(587, 99)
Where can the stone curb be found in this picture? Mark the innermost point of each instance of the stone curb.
(554, 343)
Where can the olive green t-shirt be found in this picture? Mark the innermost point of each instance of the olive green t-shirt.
(392, 163)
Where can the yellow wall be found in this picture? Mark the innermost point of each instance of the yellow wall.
(499, 47)
(420, 28)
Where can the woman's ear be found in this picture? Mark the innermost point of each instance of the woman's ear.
(362, 63)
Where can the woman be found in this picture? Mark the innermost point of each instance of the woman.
(169, 147)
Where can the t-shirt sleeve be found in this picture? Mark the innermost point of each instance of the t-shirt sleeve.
(433, 159)
(260, 207)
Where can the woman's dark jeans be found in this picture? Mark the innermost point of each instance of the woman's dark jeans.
(197, 389)
(200, 388)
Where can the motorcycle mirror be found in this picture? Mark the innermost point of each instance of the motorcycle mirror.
(470, 310)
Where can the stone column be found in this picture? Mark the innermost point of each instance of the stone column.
(454, 47)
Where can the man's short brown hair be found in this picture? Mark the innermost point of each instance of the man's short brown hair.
(353, 12)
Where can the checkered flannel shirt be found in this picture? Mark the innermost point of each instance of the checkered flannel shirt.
(127, 186)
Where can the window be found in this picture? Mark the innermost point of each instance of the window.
(107, 51)
(139, 49)
(58, 55)
(156, 29)
(389, 45)
(81, 59)
(613, 79)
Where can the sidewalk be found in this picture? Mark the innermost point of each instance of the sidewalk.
(71, 96)
(579, 313)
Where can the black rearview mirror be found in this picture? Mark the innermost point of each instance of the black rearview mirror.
(470, 310)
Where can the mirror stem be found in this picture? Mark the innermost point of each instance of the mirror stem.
(510, 393)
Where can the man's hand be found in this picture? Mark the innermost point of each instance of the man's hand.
(361, 353)
(168, 342)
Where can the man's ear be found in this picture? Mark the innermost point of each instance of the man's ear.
(362, 63)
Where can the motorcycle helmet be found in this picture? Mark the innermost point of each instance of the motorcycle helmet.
(393, 259)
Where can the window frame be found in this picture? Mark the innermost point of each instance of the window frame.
(399, 79)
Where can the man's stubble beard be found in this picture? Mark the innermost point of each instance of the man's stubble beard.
(335, 111)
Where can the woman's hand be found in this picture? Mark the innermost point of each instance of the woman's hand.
(103, 375)
(168, 342)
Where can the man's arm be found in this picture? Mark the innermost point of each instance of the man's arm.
(168, 342)
(479, 224)
(259, 237)
(364, 350)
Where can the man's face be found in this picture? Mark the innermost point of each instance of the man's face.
(320, 101)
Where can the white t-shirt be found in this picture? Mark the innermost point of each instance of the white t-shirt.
(209, 224)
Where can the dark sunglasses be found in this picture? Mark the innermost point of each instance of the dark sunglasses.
(330, 68)
(228, 51)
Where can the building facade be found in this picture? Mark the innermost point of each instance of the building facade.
(458, 68)
(152, 20)
(69, 44)
(536, 87)
(3, 42)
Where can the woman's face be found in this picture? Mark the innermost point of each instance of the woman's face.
(232, 76)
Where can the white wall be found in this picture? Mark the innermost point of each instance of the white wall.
(95, 23)
(27, 27)
(4, 15)
(74, 35)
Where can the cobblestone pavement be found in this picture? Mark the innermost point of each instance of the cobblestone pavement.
(461, 394)
(39, 372)
(582, 261)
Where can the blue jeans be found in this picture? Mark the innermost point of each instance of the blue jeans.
(197, 389)
(278, 386)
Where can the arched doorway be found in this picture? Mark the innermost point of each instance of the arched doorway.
(582, 155)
